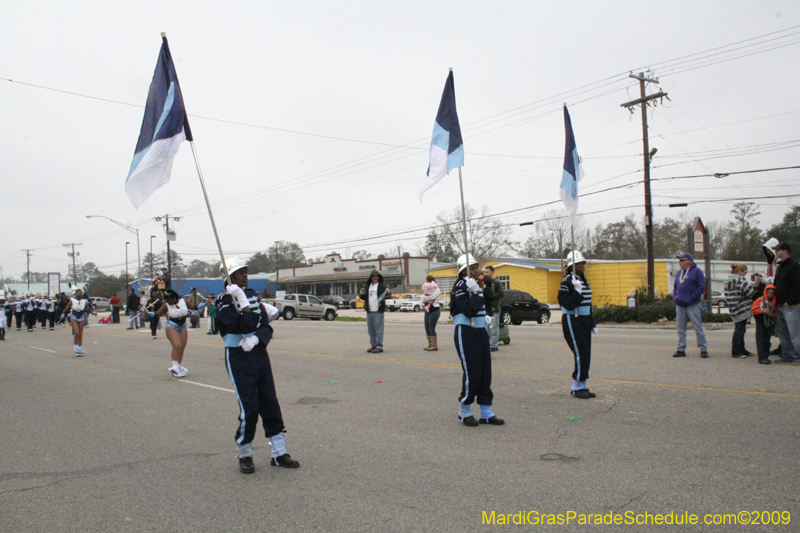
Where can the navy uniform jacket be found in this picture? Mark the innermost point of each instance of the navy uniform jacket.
(569, 299)
(235, 324)
(463, 302)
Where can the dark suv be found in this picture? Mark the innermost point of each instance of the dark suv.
(336, 300)
(517, 306)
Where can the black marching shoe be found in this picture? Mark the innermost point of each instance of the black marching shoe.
(583, 394)
(764, 362)
(679, 353)
(285, 461)
(468, 421)
(493, 420)
(246, 465)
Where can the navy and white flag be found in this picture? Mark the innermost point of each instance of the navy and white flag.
(573, 171)
(447, 148)
(164, 128)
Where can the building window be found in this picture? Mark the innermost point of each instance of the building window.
(505, 281)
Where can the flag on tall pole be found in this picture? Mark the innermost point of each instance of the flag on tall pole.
(573, 171)
(164, 128)
(447, 148)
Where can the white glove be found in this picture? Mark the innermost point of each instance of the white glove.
(248, 343)
(237, 292)
(488, 320)
(595, 330)
(576, 282)
(272, 312)
(473, 286)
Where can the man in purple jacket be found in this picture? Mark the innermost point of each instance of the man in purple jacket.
(690, 283)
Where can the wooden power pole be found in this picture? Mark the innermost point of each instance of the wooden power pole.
(648, 155)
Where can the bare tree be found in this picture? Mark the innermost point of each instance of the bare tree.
(487, 236)
(552, 236)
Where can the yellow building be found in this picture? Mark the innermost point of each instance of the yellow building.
(611, 281)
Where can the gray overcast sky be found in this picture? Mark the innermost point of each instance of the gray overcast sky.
(312, 120)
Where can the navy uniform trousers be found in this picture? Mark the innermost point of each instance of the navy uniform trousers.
(578, 334)
(251, 375)
(472, 346)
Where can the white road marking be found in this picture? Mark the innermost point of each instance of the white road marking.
(205, 385)
(42, 349)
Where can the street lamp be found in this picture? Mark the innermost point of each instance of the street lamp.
(132, 230)
(126, 263)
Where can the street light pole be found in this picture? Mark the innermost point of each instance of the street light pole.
(132, 230)
(126, 263)
(152, 272)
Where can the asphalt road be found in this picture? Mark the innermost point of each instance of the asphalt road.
(111, 442)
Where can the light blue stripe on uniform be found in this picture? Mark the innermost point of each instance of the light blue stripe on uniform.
(236, 390)
(575, 345)
(463, 365)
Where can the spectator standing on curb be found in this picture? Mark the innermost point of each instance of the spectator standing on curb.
(690, 283)
(374, 294)
(432, 313)
(493, 310)
(133, 309)
(166, 279)
(739, 293)
(212, 315)
(787, 298)
(113, 301)
(196, 298)
(764, 313)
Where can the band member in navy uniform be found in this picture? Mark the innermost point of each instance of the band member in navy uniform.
(472, 345)
(577, 323)
(19, 312)
(243, 322)
(51, 312)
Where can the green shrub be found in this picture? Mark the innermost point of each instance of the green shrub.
(613, 313)
(714, 318)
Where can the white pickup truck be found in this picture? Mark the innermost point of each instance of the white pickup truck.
(304, 306)
(393, 304)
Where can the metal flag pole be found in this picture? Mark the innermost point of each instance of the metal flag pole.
(210, 214)
(463, 214)
(208, 204)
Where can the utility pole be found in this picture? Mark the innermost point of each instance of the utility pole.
(28, 254)
(648, 155)
(165, 218)
(72, 255)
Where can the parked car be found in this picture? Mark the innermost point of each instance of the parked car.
(304, 306)
(100, 304)
(414, 304)
(337, 301)
(518, 306)
(718, 299)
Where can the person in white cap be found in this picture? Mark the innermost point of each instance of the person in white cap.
(467, 306)
(243, 322)
(577, 323)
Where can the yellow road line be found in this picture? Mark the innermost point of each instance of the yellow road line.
(514, 372)
(538, 374)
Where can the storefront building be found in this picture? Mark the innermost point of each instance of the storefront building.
(345, 277)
